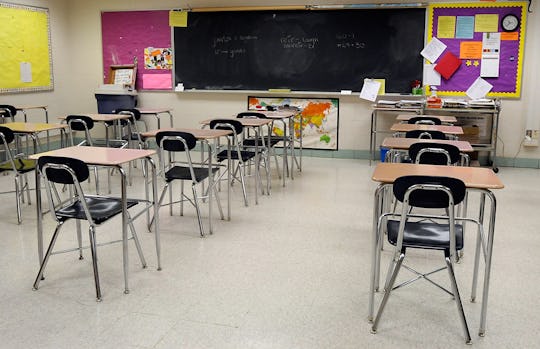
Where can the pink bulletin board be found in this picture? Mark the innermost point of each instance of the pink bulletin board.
(127, 34)
(508, 84)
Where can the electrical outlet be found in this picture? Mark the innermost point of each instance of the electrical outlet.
(531, 138)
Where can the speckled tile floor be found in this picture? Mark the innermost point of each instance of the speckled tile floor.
(291, 272)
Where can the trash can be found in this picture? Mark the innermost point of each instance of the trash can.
(383, 153)
(110, 97)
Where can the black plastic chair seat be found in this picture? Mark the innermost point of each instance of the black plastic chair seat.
(134, 137)
(424, 134)
(259, 143)
(183, 173)
(244, 154)
(112, 143)
(427, 235)
(21, 165)
(101, 209)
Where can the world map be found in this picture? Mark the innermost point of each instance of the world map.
(316, 124)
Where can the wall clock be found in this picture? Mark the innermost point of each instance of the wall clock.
(510, 23)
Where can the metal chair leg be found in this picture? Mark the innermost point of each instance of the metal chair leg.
(46, 257)
(18, 199)
(387, 292)
(457, 298)
(196, 204)
(93, 249)
(137, 243)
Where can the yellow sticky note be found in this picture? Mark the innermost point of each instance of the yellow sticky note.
(178, 18)
(486, 23)
(382, 89)
(446, 27)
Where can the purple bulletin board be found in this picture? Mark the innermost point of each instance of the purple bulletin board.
(508, 84)
(127, 34)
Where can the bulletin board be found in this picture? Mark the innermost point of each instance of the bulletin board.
(25, 46)
(144, 35)
(508, 83)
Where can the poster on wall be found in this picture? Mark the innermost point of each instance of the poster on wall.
(317, 122)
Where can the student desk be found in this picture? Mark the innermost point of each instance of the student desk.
(24, 108)
(445, 119)
(287, 117)
(478, 179)
(379, 110)
(449, 130)
(394, 144)
(114, 158)
(106, 119)
(257, 125)
(32, 129)
(155, 112)
(405, 143)
(204, 136)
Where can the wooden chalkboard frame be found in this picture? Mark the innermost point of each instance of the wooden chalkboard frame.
(197, 67)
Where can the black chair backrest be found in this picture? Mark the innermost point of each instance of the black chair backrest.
(130, 111)
(60, 175)
(251, 114)
(8, 135)
(237, 125)
(11, 110)
(428, 119)
(76, 125)
(425, 134)
(434, 158)
(429, 198)
(176, 144)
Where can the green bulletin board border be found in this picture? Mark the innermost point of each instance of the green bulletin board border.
(44, 81)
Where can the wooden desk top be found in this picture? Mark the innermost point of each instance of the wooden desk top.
(278, 114)
(443, 118)
(405, 143)
(27, 107)
(454, 130)
(250, 122)
(473, 177)
(101, 117)
(200, 134)
(154, 110)
(100, 156)
(32, 127)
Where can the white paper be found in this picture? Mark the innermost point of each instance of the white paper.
(431, 76)
(123, 76)
(26, 72)
(433, 50)
(479, 89)
(370, 89)
(491, 48)
(346, 92)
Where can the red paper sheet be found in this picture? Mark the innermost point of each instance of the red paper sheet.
(447, 65)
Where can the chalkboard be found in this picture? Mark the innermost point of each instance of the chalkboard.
(302, 50)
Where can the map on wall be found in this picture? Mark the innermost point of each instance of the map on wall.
(317, 123)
